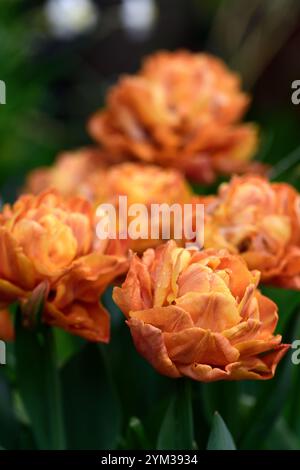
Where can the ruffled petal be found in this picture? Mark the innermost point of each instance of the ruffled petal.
(149, 342)
(168, 319)
(15, 266)
(88, 320)
(136, 291)
(201, 346)
(214, 311)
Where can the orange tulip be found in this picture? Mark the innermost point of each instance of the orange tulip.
(260, 221)
(199, 314)
(48, 241)
(148, 184)
(181, 110)
(6, 327)
(82, 173)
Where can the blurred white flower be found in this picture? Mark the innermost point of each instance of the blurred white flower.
(67, 18)
(138, 16)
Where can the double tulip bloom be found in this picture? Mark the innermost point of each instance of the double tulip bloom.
(260, 221)
(84, 173)
(75, 173)
(47, 244)
(191, 313)
(199, 314)
(181, 110)
(147, 185)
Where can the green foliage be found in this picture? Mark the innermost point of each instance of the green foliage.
(9, 426)
(177, 428)
(92, 407)
(220, 437)
(39, 385)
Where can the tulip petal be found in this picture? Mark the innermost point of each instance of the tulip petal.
(181, 259)
(258, 368)
(9, 293)
(49, 243)
(168, 319)
(200, 278)
(89, 320)
(248, 369)
(149, 342)
(79, 225)
(87, 278)
(242, 276)
(253, 347)
(136, 291)
(198, 345)
(267, 313)
(244, 331)
(164, 275)
(214, 311)
(15, 266)
(203, 372)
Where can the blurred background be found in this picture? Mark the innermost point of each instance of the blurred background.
(58, 57)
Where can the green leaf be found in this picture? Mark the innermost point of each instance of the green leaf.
(220, 437)
(282, 438)
(273, 396)
(92, 411)
(286, 163)
(135, 436)
(222, 396)
(267, 408)
(38, 382)
(9, 428)
(177, 429)
(67, 345)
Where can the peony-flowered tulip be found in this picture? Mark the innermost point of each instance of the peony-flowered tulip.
(79, 172)
(147, 185)
(48, 241)
(82, 173)
(199, 314)
(181, 110)
(260, 221)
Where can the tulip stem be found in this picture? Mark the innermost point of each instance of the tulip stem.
(285, 164)
(56, 422)
(39, 383)
(184, 401)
